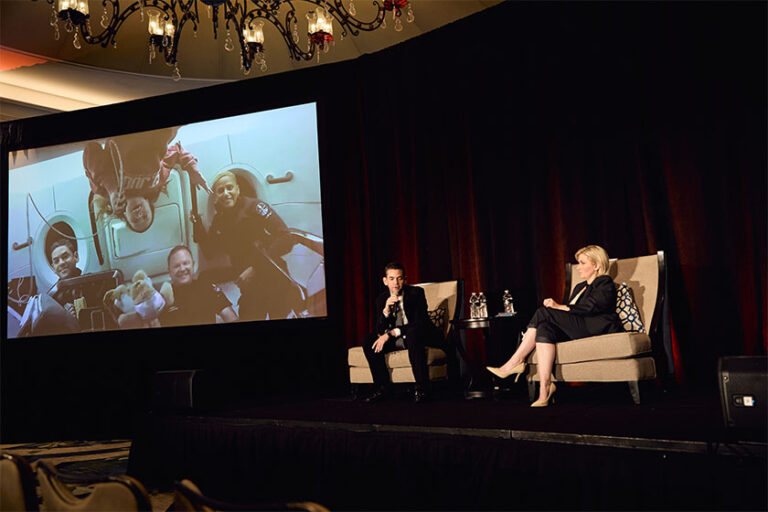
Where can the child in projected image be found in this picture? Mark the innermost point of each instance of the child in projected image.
(254, 237)
(128, 173)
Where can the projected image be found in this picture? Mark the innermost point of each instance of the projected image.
(218, 221)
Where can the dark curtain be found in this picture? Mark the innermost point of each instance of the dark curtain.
(492, 149)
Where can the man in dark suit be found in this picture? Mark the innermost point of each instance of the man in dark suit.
(402, 322)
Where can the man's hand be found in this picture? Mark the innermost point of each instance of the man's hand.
(391, 301)
(378, 345)
(245, 277)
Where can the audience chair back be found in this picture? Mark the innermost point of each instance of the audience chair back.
(112, 493)
(17, 484)
(189, 498)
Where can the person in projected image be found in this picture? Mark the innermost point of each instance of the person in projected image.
(138, 212)
(64, 260)
(54, 312)
(402, 322)
(254, 237)
(128, 173)
(590, 311)
(194, 301)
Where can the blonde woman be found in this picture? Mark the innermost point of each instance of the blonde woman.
(590, 311)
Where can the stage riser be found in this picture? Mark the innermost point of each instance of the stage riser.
(346, 469)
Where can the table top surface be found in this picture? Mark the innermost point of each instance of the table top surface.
(473, 323)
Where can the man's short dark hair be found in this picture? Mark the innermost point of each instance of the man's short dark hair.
(177, 249)
(61, 242)
(394, 265)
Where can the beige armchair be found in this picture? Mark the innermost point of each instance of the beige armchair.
(444, 305)
(618, 357)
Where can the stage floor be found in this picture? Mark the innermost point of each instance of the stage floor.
(598, 410)
(599, 449)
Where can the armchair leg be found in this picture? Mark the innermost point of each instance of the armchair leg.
(634, 390)
(532, 392)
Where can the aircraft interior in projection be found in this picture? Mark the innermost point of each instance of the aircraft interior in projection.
(82, 193)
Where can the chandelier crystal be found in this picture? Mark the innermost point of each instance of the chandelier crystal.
(167, 19)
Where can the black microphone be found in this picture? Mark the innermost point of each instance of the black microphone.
(393, 308)
(395, 305)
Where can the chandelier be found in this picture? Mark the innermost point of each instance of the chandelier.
(243, 21)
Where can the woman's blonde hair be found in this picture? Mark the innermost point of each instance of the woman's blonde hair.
(597, 255)
(222, 174)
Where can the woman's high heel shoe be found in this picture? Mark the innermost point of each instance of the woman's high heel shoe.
(545, 402)
(519, 369)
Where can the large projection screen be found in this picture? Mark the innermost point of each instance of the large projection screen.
(208, 222)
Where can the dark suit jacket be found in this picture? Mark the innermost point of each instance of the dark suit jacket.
(240, 231)
(597, 305)
(415, 310)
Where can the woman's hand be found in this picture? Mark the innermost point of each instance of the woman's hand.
(199, 182)
(550, 303)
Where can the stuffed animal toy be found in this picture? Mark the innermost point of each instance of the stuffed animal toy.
(137, 304)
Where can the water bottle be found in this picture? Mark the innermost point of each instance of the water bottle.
(483, 308)
(509, 307)
(473, 305)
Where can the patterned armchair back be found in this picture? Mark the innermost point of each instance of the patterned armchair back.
(441, 302)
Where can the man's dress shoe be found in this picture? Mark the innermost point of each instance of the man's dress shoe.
(377, 396)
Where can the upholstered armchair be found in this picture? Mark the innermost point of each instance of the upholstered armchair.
(618, 357)
(444, 302)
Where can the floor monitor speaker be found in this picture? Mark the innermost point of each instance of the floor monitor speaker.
(744, 391)
(177, 389)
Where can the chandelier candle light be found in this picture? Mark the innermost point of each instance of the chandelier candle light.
(166, 20)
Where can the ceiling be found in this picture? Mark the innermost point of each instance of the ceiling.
(40, 75)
